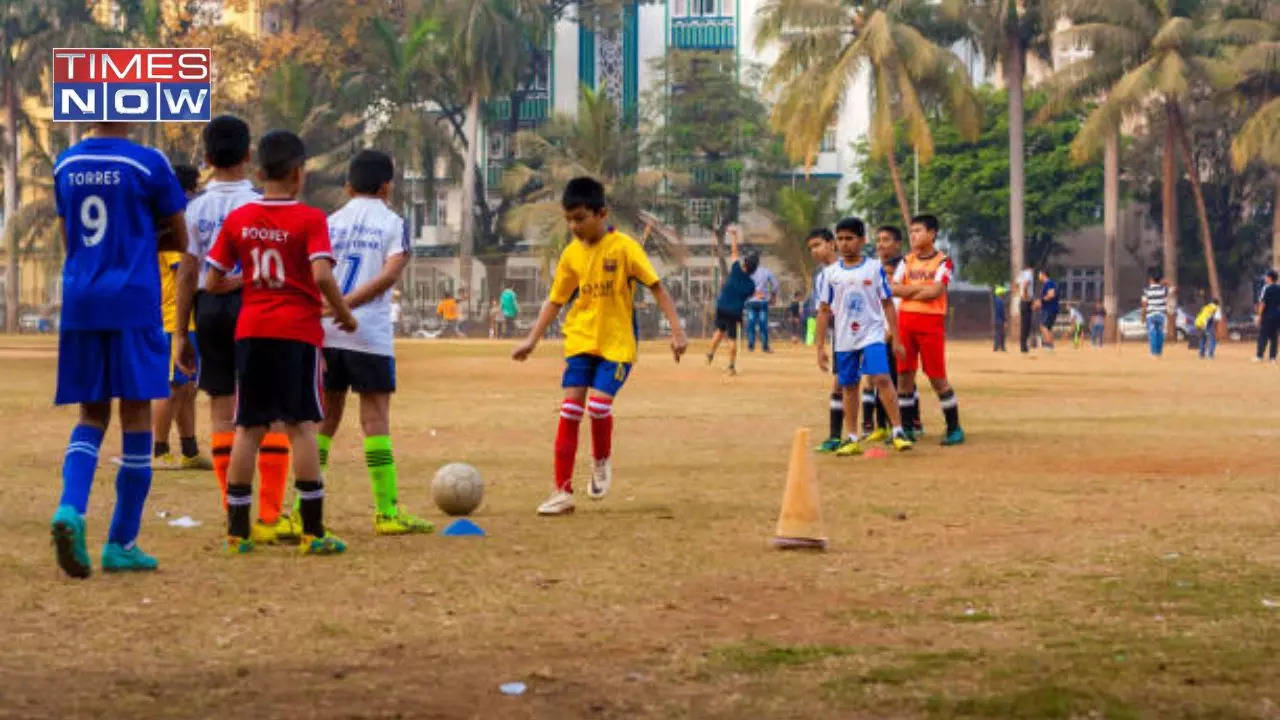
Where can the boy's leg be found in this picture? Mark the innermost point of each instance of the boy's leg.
(571, 411)
(78, 466)
(849, 398)
(733, 354)
(607, 382)
(162, 415)
(868, 406)
(375, 421)
(244, 450)
(715, 344)
(889, 397)
(133, 480)
(335, 405)
(273, 474)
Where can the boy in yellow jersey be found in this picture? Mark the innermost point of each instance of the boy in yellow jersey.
(180, 406)
(596, 271)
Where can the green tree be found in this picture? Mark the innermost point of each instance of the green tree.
(968, 188)
(796, 211)
(710, 137)
(1259, 138)
(825, 44)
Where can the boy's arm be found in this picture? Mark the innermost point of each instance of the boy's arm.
(927, 292)
(184, 355)
(389, 276)
(733, 245)
(176, 238)
(550, 310)
(824, 319)
(678, 341)
(322, 272)
(891, 318)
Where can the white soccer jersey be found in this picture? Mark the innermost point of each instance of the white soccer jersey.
(206, 213)
(855, 295)
(364, 233)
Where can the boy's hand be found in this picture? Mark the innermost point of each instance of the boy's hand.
(899, 349)
(679, 343)
(184, 355)
(523, 350)
(345, 321)
(823, 363)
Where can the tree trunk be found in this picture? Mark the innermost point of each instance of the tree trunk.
(11, 294)
(900, 191)
(467, 233)
(1014, 74)
(1169, 201)
(495, 274)
(1111, 230)
(1206, 236)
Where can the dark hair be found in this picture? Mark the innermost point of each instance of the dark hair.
(821, 232)
(226, 141)
(188, 177)
(583, 192)
(930, 222)
(369, 171)
(1155, 275)
(853, 225)
(280, 152)
(1216, 301)
(1272, 275)
(893, 231)
(751, 262)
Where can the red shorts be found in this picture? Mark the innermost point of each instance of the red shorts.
(923, 335)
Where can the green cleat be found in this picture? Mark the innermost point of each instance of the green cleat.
(953, 437)
(68, 542)
(829, 445)
(238, 546)
(118, 558)
(402, 523)
(330, 544)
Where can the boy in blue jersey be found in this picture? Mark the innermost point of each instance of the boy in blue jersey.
(856, 291)
(111, 343)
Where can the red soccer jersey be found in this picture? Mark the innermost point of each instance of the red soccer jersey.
(274, 241)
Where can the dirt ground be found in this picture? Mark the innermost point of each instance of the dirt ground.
(1106, 545)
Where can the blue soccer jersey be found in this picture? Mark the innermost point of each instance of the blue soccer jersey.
(110, 193)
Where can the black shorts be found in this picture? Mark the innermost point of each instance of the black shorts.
(728, 323)
(1048, 319)
(216, 317)
(360, 371)
(277, 380)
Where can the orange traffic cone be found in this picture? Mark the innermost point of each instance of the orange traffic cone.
(800, 523)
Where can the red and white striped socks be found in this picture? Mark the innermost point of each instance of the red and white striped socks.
(567, 443)
(601, 410)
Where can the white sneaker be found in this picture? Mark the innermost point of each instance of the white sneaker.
(601, 477)
(560, 503)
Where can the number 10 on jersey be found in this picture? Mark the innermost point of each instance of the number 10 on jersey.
(268, 267)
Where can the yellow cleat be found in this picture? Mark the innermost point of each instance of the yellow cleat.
(330, 544)
(401, 523)
(165, 462)
(288, 528)
(878, 435)
(197, 462)
(238, 546)
(262, 534)
(901, 444)
(850, 448)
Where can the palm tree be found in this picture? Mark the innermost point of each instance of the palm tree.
(484, 55)
(1164, 53)
(593, 143)
(1259, 138)
(795, 212)
(825, 44)
(1008, 32)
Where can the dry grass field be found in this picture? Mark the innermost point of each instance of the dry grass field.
(1106, 545)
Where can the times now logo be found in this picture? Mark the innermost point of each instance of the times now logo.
(131, 85)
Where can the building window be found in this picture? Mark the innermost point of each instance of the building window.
(699, 8)
(828, 141)
(1084, 284)
(702, 209)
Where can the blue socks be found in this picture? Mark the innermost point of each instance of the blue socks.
(79, 465)
(133, 482)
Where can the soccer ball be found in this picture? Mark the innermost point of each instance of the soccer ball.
(457, 489)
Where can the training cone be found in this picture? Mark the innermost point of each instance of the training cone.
(800, 523)
(463, 527)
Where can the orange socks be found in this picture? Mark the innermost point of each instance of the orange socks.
(273, 473)
(220, 448)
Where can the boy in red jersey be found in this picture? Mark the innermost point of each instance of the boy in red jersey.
(284, 249)
(921, 281)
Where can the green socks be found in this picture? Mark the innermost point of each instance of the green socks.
(382, 473)
(324, 442)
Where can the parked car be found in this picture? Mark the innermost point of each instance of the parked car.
(1242, 327)
(1133, 327)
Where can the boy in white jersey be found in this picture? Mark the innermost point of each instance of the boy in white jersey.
(371, 244)
(856, 290)
(226, 147)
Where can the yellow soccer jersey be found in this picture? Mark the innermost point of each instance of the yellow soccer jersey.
(169, 289)
(602, 320)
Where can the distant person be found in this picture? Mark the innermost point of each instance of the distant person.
(1025, 289)
(875, 416)
(795, 318)
(1268, 317)
(1077, 325)
(1098, 326)
(1207, 323)
(1048, 309)
(1155, 312)
(758, 308)
(998, 319)
(447, 309)
(510, 310)
(492, 317)
(397, 313)
(737, 289)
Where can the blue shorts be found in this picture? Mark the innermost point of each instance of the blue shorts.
(176, 376)
(596, 373)
(98, 365)
(852, 365)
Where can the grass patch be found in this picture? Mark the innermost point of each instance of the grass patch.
(1048, 702)
(758, 656)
